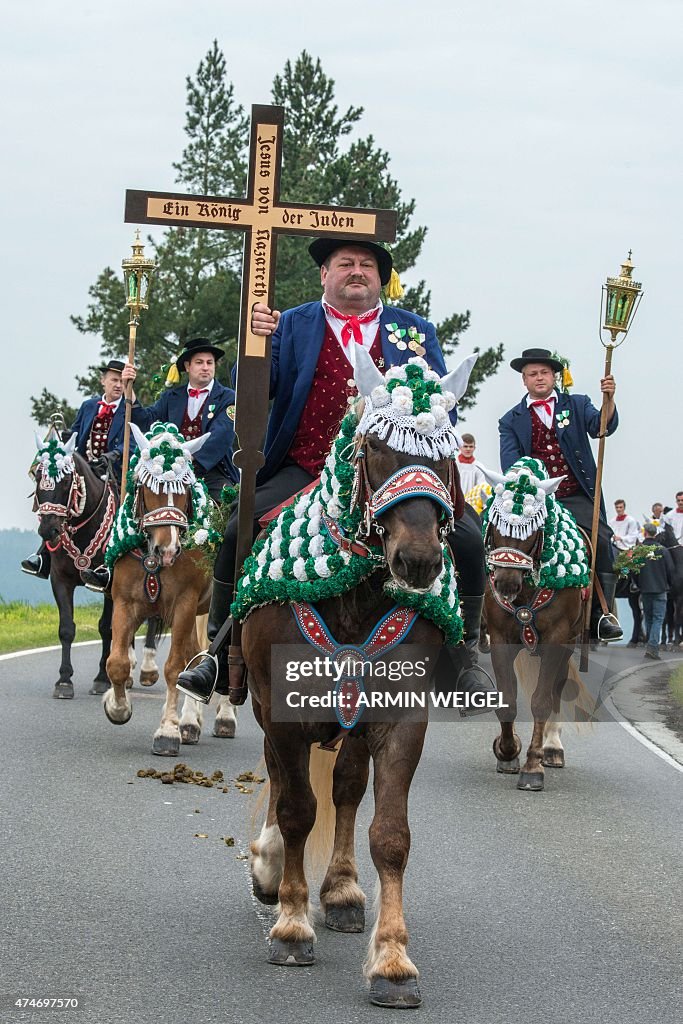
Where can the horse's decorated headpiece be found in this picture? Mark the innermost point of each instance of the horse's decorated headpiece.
(54, 459)
(163, 460)
(408, 406)
(519, 505)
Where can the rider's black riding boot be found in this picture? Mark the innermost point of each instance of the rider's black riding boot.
(98, 580)
(470, 678)
(471, 609)
(38, 564)
(210, 672)
(603, 628)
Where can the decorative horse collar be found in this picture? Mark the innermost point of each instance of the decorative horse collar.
(390, 631)
(525, 614)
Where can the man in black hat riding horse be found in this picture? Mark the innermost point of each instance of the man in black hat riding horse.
(313, 361)
(201, 406)
(554, 427)
(99, 427)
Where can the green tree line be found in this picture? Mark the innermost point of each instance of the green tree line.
(196, 286)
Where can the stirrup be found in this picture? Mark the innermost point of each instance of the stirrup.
(611, 620)
(203, 696)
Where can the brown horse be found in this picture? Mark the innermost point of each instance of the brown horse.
(524, 616)
(405, 491)
(412, 538)
(173, 584)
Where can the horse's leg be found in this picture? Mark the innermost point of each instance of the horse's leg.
(340, 895)
(553, 751)
(268, 851)
(396, 751)
(191, 720)
(149, 670)
(63, 591)
(554, 662)
(507, 745)
(117, 704)
(226, 718)
(192, 713)
(101, 681)
(166, 740)
(292, 937)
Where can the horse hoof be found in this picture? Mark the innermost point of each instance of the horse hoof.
(118, 721)
(269, 899)
(166, 746)
(350, 918)
(129, 683)
(553, 758)
(291, 954)
(99, 686)
(190, 733)
(532, 781)
(63, 691)
(397, 995)
(148, 678)
(224, 728)
(508, 767)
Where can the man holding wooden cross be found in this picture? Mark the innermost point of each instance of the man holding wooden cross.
(311, 384)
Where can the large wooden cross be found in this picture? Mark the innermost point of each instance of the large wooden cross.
(262, 216)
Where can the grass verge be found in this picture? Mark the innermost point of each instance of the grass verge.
(25, 625)
(676, 685)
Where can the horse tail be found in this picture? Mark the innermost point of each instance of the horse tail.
(321, 839)
(574, 704)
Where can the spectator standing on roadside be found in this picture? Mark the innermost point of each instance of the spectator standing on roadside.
(655, 579)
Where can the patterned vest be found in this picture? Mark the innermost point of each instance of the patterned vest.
(96, 444)
(192, 428)
(546, 447)
(326, 403)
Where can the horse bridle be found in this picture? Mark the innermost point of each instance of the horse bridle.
(505, 557)
(165, 515)
(414, 481)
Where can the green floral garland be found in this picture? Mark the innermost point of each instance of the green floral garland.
(519, 507)
(633, 559)
(298, 561)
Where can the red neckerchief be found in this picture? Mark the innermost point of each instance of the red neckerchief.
(196, 392)
(105, 409)
(352, 324)
(469, 459)
(545, 403)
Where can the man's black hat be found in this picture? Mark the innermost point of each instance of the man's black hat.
(321, 248)
(537, 355)
(113, 364)
(195, 346)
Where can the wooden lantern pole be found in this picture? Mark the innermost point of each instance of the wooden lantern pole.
(137, 274)
(623, 297)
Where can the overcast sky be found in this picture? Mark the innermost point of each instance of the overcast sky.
(540, 140)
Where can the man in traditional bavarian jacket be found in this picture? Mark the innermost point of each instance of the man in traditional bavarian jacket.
(201, 406)
(99, 427)
(312, 367)
(554, 427)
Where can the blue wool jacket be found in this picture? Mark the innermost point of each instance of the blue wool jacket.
(85, 417)
(170, 408)
(295, 350)
(584, 422)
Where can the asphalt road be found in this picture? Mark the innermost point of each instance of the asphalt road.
(559, 906)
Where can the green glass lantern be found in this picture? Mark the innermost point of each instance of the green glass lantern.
(620, 298)
(137, 277)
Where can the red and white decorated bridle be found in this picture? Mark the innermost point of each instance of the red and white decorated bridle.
(408, 482)
(74, 507)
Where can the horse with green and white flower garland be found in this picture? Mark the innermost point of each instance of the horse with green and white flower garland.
(156, 552)
(538, 574)
(361, 555)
